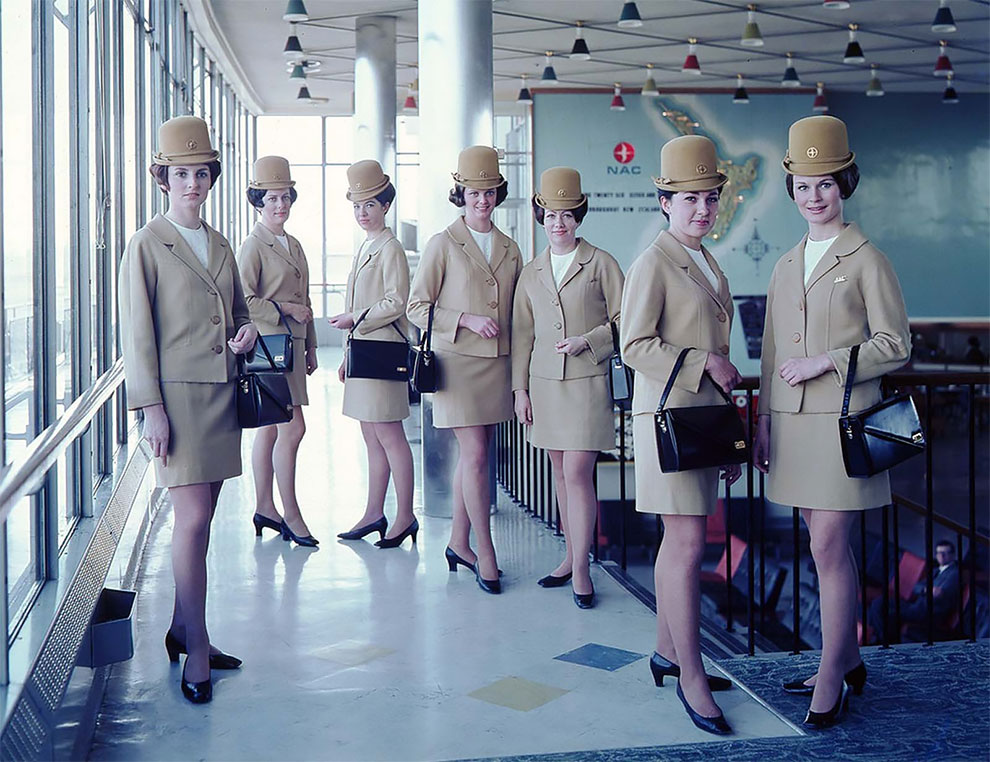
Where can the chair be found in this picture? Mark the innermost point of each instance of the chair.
(910, 571)
(715, 525)
(738, 547)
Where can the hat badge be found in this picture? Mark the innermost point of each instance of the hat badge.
(701, 169)
(191, 145)
(483, 173)
(812, 152)
(357, 186)
(561, 192)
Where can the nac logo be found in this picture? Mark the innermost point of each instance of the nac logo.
(624, 152)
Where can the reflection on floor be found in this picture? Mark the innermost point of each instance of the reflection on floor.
(356, 653)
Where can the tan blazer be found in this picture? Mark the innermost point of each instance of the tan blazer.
(589, 297)
(176, 315)
(669, 304)
(453, 274)
(852, 297)
(379, 283)
(270, 273)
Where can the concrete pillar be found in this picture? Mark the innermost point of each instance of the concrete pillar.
(455, 111)
(374, 93)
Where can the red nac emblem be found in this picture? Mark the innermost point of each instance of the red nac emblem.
(624, 152)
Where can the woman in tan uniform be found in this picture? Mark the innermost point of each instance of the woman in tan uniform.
(676, 297)
(276, 286)
(183, 318)
(565, 302)
(468, 274)
(375, 306)
(832, 291)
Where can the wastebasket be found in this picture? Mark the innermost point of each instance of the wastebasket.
(109, 636)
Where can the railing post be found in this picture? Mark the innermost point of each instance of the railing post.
(862, 576)
(750, 565)
(729, 623)
(763, 552)
(796, 581)
(897, 573)
(885, 549)
(929, 519)
(623, 518)
(595, 533)
(972, 514)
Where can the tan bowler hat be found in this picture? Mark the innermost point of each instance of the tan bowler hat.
(366, 180)
(817, 145)
(184, 140)
(689, 163)
(477, 167)
(560, 188)
(271, 173)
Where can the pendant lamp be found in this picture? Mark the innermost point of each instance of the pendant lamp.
(819, 105)
(525, 96)
(790, 78)
(874, 89)
(579, 51)
(943, 66)
(854, 52)
(629, 18)
(304, 95)
(751, 36)
(835, 5)
(298, 73)
(741, 95)
(617, 103)
(950, 95)
(650, 85)
(295, 11)
(549, 75)
(691, 65)
(293, 48)
(943, 23)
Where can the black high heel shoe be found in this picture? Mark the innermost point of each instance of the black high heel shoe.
(854, 678)
(661, 668)
(380, 526)
(410, 531)
(453, 559)
(493, 586)
(716, 725)
(822, 720)
(174, 647)
(263, 522)
(197, 693)
(308, 541)
(552, 581)
(585, 600)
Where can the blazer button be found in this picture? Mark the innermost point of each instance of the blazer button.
(491, 281)
(215, 319)
(724, 349)
(493, 305)
(298, 274)
(800, 307)
(211, 292)
(796, 338)
(721, 317)
(555, 303)
(218, 349)
(297, 294)
(558, 326)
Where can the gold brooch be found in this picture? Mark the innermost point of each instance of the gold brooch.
(483, 173)
(812, 152)
(561, 193)
(357, 186)
(701, 169)
(191, 144)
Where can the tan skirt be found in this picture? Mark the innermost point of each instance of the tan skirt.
(374, 401)
(474, 391)
(575, 414)
(297, 378)
(204, 436)
(685, 493)
(806, 469)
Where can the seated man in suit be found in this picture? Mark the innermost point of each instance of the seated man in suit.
(945, 594)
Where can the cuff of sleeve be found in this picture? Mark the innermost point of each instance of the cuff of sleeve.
(140, 402)
(692, 370)
(840, 363)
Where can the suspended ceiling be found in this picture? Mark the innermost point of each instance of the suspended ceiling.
(895, 35)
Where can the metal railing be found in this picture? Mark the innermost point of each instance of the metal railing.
(524, 473)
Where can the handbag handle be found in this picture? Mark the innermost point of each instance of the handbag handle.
(429, 330)
(281, 317)
(673, 375)
(850, 377)
(615, 337)
(364, 314)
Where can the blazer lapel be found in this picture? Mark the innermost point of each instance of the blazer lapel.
(791, 274)
(216, 251)
(268, 238)
(680, 257)
(849, 240)
(500, 248)
(544, 271)
(583, 256)
(165, 232)
(724, 296)
(374, 246)
(458, 231)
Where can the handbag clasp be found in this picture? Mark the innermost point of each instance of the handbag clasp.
(740, 445)
(917, 437)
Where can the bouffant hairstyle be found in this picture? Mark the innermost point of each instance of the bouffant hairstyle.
(847, 179)
(387, 195)
(160, 173)
(456, 196)
(670, 194)
(256, 196)
(579, 212)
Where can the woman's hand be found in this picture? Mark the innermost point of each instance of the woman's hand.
(485, 327)
(342, 370)
(311, 364)
(156, 431)
(761, 448)
(524, 408)
(800, 369)
(731, 473)
(722, 372)
(572, 345)
(298, 312)
(243, 342)
(344, 321)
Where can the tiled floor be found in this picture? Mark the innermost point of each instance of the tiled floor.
(356, 653)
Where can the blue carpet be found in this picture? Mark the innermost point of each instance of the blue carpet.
(600, 657)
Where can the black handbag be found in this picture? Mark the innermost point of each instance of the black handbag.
(620, 375)
(263, 399)
(279, 350)
(881, 436)
(425, 377)
(383, 360)
(698, 437)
